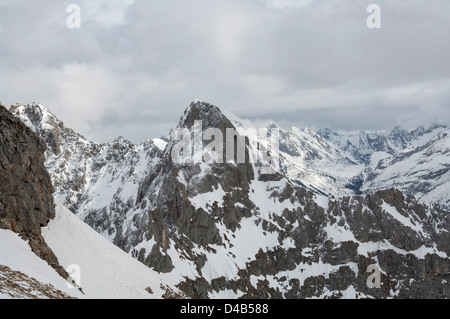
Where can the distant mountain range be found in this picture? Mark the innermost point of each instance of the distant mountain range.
(353, 163)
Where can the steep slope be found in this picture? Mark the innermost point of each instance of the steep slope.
(100, 268)
(17, 285)
(26, 204)
(39, 242)
(209, 221)
(230, 229)
(97, 181)
(26, 200)
(317, 163)
(24, 275)
(105, 271)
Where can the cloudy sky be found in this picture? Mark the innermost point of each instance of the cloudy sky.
(135, 65)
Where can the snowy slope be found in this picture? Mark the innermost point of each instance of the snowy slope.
(97, 181)
(16, 254)
(316, 163)
(106, 270)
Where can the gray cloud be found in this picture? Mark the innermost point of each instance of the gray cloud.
(134, 66)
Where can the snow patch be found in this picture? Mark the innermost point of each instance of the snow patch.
(107, 272)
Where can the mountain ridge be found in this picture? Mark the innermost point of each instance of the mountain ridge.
(225, 230)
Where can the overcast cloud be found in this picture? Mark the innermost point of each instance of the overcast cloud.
(135, 65)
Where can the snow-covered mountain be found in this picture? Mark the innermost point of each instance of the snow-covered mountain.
(230, 230)
(353, 163)
(42, 245)
(97, 181)
(317, 163)
(422, 168)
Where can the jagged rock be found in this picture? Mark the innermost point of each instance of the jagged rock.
(339, 254)
(157, 260)
(26, 192)
(18, 285)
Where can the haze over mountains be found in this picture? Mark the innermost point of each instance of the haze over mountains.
(338, 203)
(346, 163)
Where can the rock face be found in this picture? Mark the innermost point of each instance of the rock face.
(26, 192)
(229, 229)
(18, 285)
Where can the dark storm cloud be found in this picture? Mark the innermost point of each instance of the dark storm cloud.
(134, 66)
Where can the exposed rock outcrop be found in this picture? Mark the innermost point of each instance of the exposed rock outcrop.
(26, 191)
(18, 285)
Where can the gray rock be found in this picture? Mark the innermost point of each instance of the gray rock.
(26, 191)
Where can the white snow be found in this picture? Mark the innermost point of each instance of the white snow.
(260, 194)
(161, 144)
(391, 210)
(17, 255)
(322, 201)
(106, 270)
(206, 200)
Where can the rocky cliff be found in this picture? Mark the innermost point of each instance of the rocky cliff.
(26, 191)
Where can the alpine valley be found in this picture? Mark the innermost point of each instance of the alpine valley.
(342, 215)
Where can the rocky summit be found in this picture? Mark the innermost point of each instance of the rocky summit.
(330, 222)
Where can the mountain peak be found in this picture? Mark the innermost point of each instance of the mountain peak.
(121, 140)
(209, 114)
(36, 115)
(397, 131)
(201, 107)
(44, 123)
